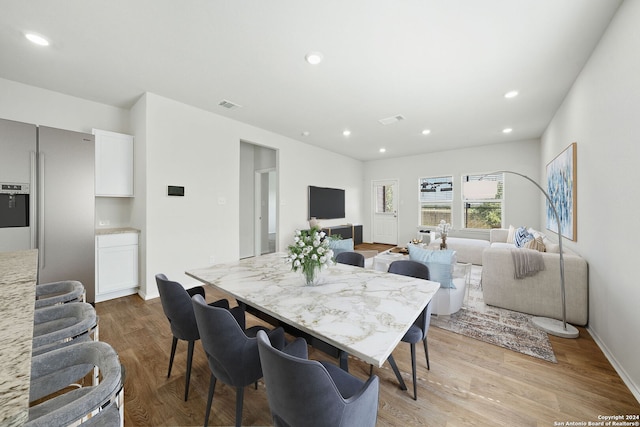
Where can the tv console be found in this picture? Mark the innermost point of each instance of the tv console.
(346, 232)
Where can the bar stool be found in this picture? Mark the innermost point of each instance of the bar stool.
(52, 372)
(53, 293)
(61, 325)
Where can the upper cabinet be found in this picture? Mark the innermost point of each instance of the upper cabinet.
(114, 164)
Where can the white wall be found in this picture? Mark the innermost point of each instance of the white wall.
(201, 151)
(30, 104)
(522, 199)
(600, 113)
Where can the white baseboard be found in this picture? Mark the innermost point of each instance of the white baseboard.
(633, 387)
(116, 294)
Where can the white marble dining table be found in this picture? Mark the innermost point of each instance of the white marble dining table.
(362, 312)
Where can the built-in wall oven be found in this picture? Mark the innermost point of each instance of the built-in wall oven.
(14, 205)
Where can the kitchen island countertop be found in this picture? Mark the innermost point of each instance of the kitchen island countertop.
(18, 276)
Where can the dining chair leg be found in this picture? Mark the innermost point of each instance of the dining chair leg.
(413, 371)
(174, 343)
(239, 400)
(426, 352)
(392, 362)
(189, 361)
(212, 387)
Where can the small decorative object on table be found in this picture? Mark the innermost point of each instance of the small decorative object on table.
(310, 253)
(443, 228)
(313, 222)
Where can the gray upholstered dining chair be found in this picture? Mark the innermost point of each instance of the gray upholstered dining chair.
(418, 331)
(176, 304)
(309, 393)
(54, 371)
(59, 293)
(232, 354)
(62, 325)
(350, 258)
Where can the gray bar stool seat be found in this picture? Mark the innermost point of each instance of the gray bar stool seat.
(53, 293)
(54, 371)
(61, 325)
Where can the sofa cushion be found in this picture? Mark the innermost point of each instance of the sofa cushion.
(512, 232)
(440, 263)
(502, 245)
(536, 244)
(521, 237)
(340, 245)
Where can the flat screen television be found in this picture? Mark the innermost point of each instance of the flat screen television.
(326, 203)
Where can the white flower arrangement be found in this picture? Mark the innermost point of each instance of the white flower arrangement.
(310, 251)
(443, 228)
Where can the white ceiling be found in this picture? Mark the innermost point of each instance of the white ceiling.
(444, 65)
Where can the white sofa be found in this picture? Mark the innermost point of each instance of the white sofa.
(538, 294)
(467, 250)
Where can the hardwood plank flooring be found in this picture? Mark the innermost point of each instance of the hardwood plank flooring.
(470, 383)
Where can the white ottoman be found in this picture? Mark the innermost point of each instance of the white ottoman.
(449, 300)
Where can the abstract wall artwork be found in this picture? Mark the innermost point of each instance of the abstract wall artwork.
(561, 186)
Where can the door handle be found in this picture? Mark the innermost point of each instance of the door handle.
(41, 248)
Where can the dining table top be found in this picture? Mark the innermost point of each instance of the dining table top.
(362, 312)
(18, 277)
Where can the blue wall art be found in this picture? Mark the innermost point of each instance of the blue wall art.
(561, 186)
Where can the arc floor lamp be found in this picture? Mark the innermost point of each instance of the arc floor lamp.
(552, 326)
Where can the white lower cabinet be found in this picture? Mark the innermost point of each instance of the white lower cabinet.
(116, 265)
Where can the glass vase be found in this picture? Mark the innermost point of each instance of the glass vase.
(443, 245)
(311, 275)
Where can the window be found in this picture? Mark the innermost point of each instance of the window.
(384, 199)
(436, 198)
(482, 199)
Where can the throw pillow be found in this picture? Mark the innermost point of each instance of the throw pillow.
(440, 263)
(536, 244)
(521, 237)
(340, 245)
(512, 232)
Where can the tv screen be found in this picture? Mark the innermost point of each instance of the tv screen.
(326, 203)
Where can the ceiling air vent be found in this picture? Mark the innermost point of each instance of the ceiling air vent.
(392, 119)
(228, 104)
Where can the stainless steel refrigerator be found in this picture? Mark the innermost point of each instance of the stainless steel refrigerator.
(47, 199)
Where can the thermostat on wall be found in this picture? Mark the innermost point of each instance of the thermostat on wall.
(173, 190)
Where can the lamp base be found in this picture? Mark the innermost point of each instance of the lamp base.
(555, 327)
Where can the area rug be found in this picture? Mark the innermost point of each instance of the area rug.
(505, 328)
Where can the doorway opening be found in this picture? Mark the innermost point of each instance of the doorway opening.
(258, 200)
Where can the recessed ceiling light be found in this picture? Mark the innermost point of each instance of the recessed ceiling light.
(37, 39)
(383, 150)
(511, 94)
(507, 130)
(346, 132)
(313, 58)
(426, 132)
(305, 133)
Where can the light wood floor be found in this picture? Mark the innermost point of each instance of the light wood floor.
(470, 383)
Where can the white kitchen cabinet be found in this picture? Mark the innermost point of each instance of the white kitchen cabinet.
(116, 265)
(114, 164)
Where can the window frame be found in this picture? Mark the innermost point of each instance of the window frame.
(446, 179)
(500, 197)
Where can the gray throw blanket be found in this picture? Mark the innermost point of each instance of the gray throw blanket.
(526, 262)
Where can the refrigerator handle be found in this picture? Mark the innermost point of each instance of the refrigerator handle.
(33, 194)
(41, 248)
